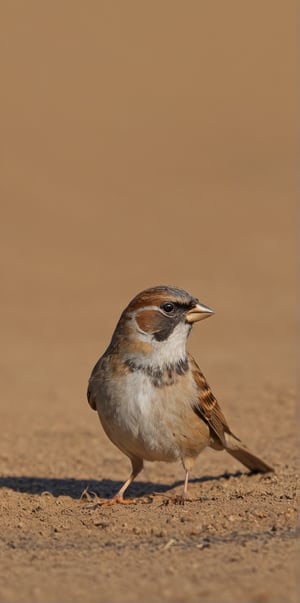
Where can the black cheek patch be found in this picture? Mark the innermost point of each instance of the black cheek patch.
(165, 331)
(157, 324)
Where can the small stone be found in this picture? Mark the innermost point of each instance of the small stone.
(101, 524)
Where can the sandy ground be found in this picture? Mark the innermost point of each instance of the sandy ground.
(145, 145)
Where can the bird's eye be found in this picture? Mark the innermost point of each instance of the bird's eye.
(168, 307)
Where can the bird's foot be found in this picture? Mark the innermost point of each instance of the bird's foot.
(118, 500)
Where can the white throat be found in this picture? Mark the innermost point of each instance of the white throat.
(169, 351)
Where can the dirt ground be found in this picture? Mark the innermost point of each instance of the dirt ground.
(143, 144)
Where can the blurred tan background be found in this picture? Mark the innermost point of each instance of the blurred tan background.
(144, 143)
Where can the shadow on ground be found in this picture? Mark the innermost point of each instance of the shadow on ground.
(103, 488)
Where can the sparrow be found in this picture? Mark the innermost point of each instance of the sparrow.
(152, 399)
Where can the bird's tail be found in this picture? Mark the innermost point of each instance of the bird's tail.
(247, 458)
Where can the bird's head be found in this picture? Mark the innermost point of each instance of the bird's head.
(157, 322)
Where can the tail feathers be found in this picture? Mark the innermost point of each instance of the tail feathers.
(247, 458)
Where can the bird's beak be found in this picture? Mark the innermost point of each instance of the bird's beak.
(199, 312)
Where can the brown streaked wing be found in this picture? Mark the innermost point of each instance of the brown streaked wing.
(91, 400)
(96, 375)
(207, 407)
(108, 367)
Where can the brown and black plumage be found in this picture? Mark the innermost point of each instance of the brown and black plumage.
(153, 401)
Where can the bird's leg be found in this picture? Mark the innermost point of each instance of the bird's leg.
(137, 466)
(181, 498)
(186, 481)
(188, 466)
